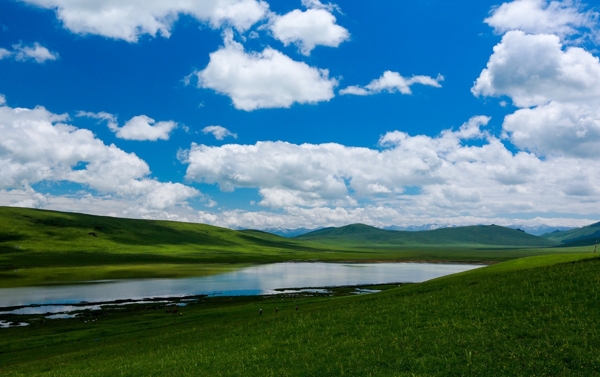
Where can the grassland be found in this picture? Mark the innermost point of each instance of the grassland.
(47, 247)
(530, 317)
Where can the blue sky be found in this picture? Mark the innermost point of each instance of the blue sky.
(247, 113)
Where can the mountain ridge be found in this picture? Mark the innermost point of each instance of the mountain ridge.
(468, 235)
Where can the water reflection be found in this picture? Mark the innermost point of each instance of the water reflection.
(7, 324)
(61, 316)
(256, 280)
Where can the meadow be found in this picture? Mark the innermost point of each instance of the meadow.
(534, 316)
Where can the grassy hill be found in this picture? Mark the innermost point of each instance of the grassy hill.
(587, 235)
(43, 247)
(24, 228)
(528, 317)
(488, 235)
(39, 247)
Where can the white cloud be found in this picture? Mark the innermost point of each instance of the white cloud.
(563, 19)
(557, 89)
(290, 217)
(308, 29)
(393, 82)
(381, 216)
(139, 127)
(130, 19)
(556, 128)
(38, 146)
(316, 4)
(35, 52)
(142, 127)
(2, 100)
(453, 178)
(534, 70)
(4, 53)
(268, 79)
(219, 132)
(312, 185)
(102, 115)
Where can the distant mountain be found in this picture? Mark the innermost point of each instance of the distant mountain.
(417, 228)
(587, 235)
(540, 229)
(535, 230)
(289, 233)
(361, 234)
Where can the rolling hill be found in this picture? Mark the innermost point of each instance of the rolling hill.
(587, 235)
(39, 247)
(23, 229)
(488, 235)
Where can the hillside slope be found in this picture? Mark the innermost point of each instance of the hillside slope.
(41, 230)
(587, 235)
(489, 235)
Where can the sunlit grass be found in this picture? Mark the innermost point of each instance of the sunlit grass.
(531, 318)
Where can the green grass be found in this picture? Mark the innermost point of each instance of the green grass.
(532, 317)
(478, 235)
(48, 247)
(587, 235)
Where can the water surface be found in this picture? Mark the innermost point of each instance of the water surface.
(255, 280)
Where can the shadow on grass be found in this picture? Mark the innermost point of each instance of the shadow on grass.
(130, 231)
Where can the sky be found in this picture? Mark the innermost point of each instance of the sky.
(272, 114)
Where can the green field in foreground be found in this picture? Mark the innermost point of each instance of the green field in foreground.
(530, 317)
(48, 247)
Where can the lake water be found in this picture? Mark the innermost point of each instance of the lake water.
(255, 280)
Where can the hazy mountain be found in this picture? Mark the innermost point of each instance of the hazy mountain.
(289, 233)
(361, 234)
(535, 230)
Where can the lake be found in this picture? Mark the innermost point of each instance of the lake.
(255, 280)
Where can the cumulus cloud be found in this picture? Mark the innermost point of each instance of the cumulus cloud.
(39, 146)
(219, 132)
(452, 177)
(534, 70)
(130, 19)
(4, 53)
(393, 82)
(316, 4)
(267, 79)
(556, 87)
(556, 128)
(563, 19)
(307, 29)
(35, 52)
(142, 127)
(139, 127)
